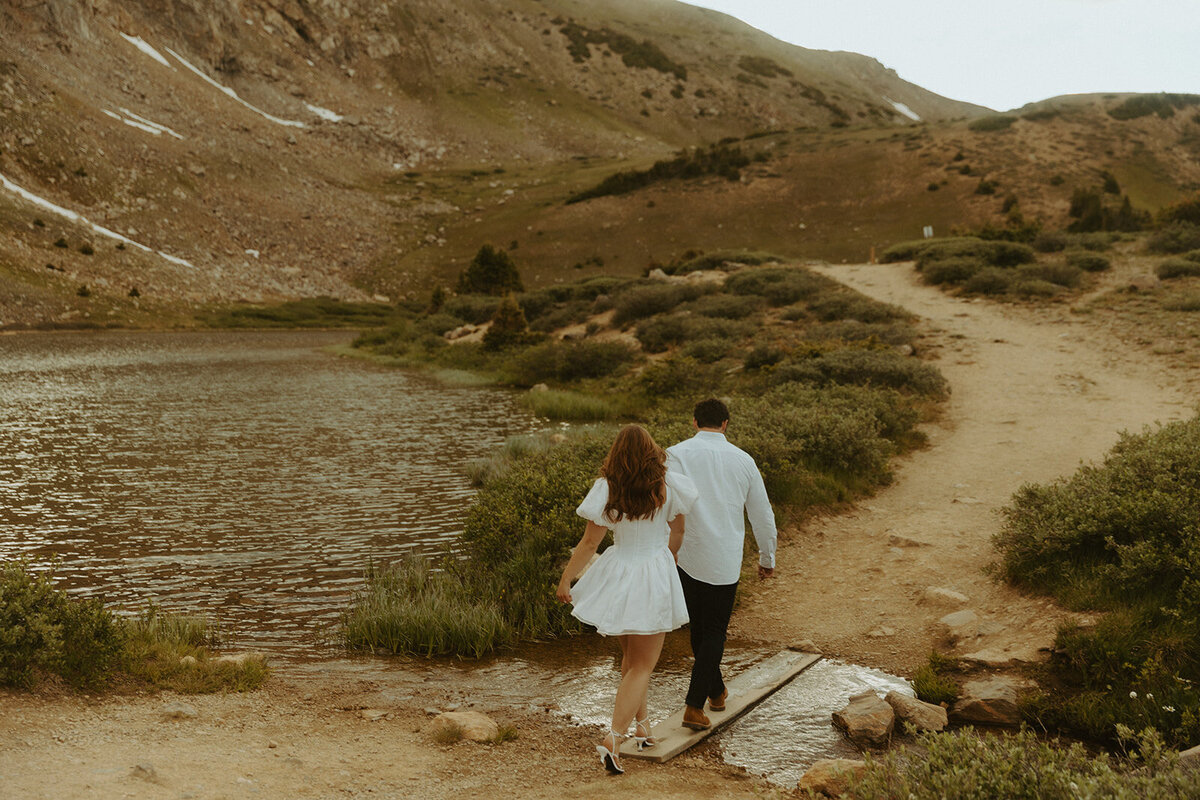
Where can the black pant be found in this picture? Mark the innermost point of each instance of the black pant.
(709, 607)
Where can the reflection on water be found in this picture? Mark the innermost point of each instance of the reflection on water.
(246, 475)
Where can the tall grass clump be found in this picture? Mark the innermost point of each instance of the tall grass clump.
(965, 764)
(1173, 268)
(172, 651)
(1121, 537)
(408, 607)
(558, 405)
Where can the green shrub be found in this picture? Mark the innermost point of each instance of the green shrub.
(491, 272)
(1067, 275)
(707, 351)
(950, 270)
(852, 330)
(716, 259)
(996, 122)
(570, 361)
(1035, 288)
(1123, 537)
(718, 159)
(1177, 237)
(779, 286)
(1177, 268)
(639, 302)
(1187, 302)
(508, 328)
(725, 306)
(659, 333)
(1088, 262)
(572, 406)
(990, 253)
(966, 764)
(44, 631)
(634, 54)
(989, 280)
(473, 308)
(765, 67)
(908, 251)
(761, 356)
(679, 375)
(1142, 105)
(1184, 211)
(1193, 256)
(854, 306)
(871, 367)
(986, 186)
(1050, 242)
(312, 312)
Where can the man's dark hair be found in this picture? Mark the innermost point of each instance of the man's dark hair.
(710, 413)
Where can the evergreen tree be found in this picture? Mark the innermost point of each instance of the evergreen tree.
(492, 271)
(509, 326)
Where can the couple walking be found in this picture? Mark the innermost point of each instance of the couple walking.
(662, 572)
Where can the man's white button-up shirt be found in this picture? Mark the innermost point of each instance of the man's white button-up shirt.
(731, 488)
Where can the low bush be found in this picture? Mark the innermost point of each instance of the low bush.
(854, 306)
(569, 361)
(1188, 302)
(1142, 105)
(968, 764)
(1035, 288)
(639, 302)
(950, 270)
(707, 351)
(717, 259)
(313, 312)
(908, 251)
(1178, 268)
(1177, 237)
(725, 306)
(989, 280)
(779, 286)
(1050, 242)
(991, 253)
(721, 160)
(1088, 262)
(1067, 275)
(996, 122)
(678, 376)
(667, 330)
(874, 367)
(852, 330)
(473, 308)
(761, 356)
(1122, 537)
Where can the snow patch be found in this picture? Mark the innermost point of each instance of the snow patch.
(141, 123)
(225, 89)
(903, 109)
(141, 44)
(324, 113)
(67, 213)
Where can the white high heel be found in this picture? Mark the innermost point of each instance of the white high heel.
(608, 758)
(647, 741)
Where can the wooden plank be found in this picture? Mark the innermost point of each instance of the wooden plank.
(745, 691)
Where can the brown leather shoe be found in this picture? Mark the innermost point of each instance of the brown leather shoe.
(718, 703)
(695, 718)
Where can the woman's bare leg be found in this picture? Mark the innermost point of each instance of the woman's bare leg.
(639, 656)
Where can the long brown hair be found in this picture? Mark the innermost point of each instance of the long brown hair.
(635, 469)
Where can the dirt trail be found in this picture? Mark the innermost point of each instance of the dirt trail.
(1036, 390)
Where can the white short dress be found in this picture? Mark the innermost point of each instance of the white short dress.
(633, 587)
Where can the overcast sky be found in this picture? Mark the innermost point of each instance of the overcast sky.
(1000, 53)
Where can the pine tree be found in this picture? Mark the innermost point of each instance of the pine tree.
(509, 325)
(492, 271)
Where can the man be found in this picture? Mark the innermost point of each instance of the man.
(710, 560)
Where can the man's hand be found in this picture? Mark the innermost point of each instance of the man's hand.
(765, 572)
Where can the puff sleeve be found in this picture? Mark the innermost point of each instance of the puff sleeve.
(681, 494)
(592, 507)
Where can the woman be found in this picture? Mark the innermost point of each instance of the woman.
(632, 591)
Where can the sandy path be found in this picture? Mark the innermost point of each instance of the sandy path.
(1035, 391)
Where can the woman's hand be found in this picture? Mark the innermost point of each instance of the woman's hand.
(564, 590)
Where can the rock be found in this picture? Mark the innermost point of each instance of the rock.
(1007, 655)
(895, 540)
(805, 646)
(179, 711)
(539, 387)
(958, 625)
(272, 745)
(475, 726)
(937, 596)
(992, 701)
(240, 659)
(374, 714)
(882, 632)
(921, 715)
(1144, 283)
(657, 274)
(904, 349)
(144, 771)
(188, 661)
(831, 776)
(558, 438)
(866, 720)
(1190, 759)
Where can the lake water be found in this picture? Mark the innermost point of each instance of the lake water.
(246, 475)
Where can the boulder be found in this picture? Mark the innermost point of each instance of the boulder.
(866, 720)
(958, 625)
(831, 776)
(896, 540)
(1190, 759)
(921, 715)
(475, 726)
(991, 701)
(938, 596)
(179, 711)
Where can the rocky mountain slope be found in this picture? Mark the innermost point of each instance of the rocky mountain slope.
(162, 155)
